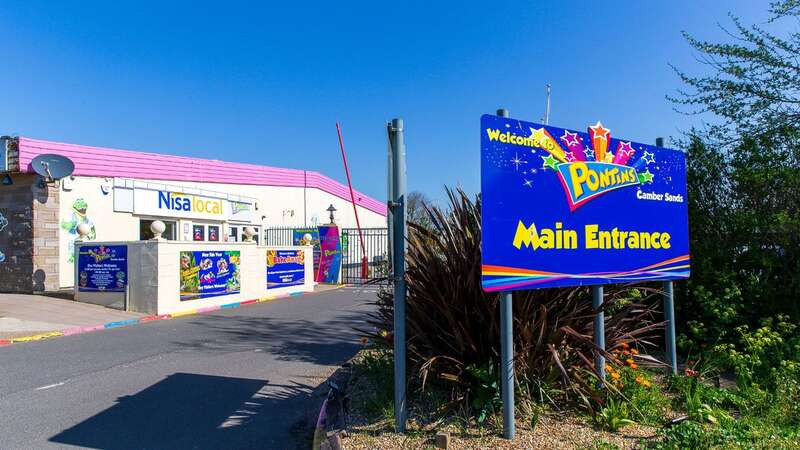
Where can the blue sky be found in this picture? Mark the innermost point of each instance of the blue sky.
(259, 83)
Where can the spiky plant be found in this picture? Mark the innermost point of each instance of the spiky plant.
(452, 325)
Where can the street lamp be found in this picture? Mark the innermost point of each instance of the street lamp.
(331, 210)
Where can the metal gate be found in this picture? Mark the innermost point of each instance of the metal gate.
(376, 248)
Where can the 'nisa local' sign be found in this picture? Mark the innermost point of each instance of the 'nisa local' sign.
(190, 206)
(174, 201)
(564, 208)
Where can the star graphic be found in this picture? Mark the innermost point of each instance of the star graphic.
(550, 162)
(569, 139)
(537, 135)
(569, 157)
(516, 161)
(646, 177)
(589, 154)
(625, 149)
(528, 183)
(599, 132)
(648, 157)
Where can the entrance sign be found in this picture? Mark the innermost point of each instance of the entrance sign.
(566, 208)
(285, 268)
(103, 268)
(209, 274)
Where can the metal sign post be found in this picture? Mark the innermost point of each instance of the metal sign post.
(507, 352)
(669, 316)
(397, 205)
(599, 333)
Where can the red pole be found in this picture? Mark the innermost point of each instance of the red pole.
(364, 266)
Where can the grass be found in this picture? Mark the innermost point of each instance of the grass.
(376, 366)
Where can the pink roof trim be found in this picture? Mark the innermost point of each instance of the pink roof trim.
(106, 162)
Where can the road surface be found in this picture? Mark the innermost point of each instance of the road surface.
(235, 378)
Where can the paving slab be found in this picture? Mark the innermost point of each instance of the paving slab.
(24, 315)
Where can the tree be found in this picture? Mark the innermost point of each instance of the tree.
(742, 172)
(416, 203)
(754, 86)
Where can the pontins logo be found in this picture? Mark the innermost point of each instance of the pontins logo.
(585, 171)
(584, 181)
(190, 203)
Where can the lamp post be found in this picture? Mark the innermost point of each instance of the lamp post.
(331, 210)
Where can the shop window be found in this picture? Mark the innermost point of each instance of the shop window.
(213, 233)
(233, 234)
(198, 232)
(170, 232)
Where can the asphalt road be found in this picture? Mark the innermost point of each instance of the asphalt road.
(236, 378)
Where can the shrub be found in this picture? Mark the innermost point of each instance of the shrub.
(613, 416)
(453, 325)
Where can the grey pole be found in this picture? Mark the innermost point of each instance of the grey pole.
(390, 195)
(669, 316)
(599, 333)
(669, 312)
(507, 352)
(398, 207)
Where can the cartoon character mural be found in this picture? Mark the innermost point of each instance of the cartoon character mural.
(77, 217)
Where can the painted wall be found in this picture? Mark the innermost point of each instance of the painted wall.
(154, 273)
(86, 202)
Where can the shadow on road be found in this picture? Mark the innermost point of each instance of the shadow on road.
(326, 342)
(187, 410)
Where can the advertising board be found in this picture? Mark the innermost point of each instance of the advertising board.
(564, 208)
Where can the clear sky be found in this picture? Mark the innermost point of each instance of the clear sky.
(254, 82)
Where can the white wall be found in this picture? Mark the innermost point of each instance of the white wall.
(280, 207)
(154, 276)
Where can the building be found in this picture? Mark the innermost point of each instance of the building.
(119, 193)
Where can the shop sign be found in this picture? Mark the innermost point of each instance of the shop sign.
(564, 208)
(190, 206)
(209, 274)
(285, 268)
(102, 268)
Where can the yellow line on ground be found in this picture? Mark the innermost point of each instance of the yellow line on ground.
(37, 337)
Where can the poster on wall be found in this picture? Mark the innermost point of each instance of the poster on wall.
(567, 208)
(209, 274)
(308, 236)
(198, 232)
(103, 268)
(330, 261)
(285, 268)
(213, 233)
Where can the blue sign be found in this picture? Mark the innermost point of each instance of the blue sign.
(567, 208)
(209, 274)
(285, 268)
(103, 268)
